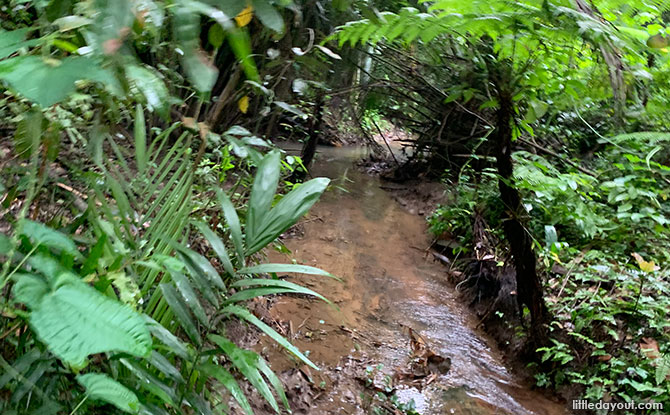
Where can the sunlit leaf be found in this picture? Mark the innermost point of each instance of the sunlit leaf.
(215, 36)
(243, 104)
(644, 265)
(245, 16)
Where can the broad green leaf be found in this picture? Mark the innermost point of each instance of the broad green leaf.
(215, 36)
(290, 108)
(239, 42)
(48, 81)
(9, 38)
(145, 81)
(29, 289)
(161, 363)
(28, 133)
(67, 23)
(286, 213)
(11, 42)
(150, 382)
(200, 69)
(5, 244)
(231, 7)
(290, 286)
(246, 315)
(284, 268)
(228, 381)
(75, 321)
(246, 361)
(201, 264)
(188, 294)
(102, 387)
(173, 343)
(217, 245)
(233, 222)
(267, 14)
(262, 193)
(198, 66)
(46, 265)
(41, 234)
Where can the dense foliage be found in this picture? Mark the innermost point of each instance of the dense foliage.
(139, 182)
(586, 83)
(130, 229)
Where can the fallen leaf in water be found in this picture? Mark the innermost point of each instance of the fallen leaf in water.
(425, 365)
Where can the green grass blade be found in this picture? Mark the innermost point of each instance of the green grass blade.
(140, 140)
(295, 288)
(233, 222)
(228, 381)
(246, 361)
(217, 245)
(246, 315)
(180, 311)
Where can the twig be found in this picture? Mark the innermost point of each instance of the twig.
(386, 142)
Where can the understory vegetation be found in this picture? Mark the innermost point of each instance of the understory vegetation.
(142, 185)
(557, 109)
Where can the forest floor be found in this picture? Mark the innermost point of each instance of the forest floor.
(396, 331)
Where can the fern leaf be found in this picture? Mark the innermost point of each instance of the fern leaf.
(75, 321)
(102, 387)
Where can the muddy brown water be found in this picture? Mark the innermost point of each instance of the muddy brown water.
(359, 233)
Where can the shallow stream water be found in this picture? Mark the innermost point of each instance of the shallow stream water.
(359, 233)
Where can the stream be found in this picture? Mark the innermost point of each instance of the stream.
(389, 285)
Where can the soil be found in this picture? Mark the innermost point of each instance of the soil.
(396, 331)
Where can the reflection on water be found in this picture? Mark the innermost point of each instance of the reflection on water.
(363, 236)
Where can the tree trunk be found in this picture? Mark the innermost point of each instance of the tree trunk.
(529, 286)
(309, 148)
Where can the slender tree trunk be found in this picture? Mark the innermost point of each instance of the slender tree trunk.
(529, 286)
(309, 148)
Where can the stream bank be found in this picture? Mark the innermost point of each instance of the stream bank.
(396, 329)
